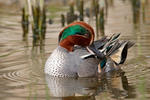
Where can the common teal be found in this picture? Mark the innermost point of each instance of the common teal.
(78, 55)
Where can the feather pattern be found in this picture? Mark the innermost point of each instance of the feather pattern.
(112, 51)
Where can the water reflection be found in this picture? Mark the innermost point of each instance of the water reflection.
(136, 11)
(64, 87)
(114, 83)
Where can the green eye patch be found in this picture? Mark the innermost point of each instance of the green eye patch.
(73, 30)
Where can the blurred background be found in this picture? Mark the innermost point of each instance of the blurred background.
(28, 34)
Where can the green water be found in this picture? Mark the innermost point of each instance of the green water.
(21, 67)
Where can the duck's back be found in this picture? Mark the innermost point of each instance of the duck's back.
(87, 67)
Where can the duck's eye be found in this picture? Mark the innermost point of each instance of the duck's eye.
(87, 35)
(84, 34)
(79, 33)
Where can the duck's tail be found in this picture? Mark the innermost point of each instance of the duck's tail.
(109, 47)
(119, 54)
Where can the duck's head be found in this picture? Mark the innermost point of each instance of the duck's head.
(77, 33)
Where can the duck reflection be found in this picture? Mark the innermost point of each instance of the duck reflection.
(114, 83)
(63, 87)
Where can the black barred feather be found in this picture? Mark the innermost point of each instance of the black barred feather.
(110, 47)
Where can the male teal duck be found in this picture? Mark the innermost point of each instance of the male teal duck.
(78, 55)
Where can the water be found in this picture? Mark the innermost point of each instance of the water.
(21, 66)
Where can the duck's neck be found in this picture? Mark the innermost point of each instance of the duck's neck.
(67, 45)
(70, 41)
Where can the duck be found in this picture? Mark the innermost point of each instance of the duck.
(79, 55)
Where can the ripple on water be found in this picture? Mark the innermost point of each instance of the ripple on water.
(17, 76)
